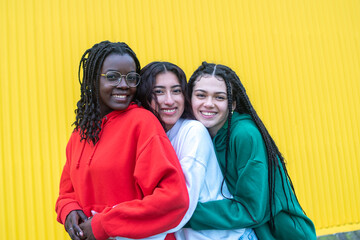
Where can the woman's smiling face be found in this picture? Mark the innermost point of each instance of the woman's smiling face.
(170, 98)
(209, 102)
(116, 97)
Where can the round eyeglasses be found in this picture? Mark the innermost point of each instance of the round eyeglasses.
(114, 78)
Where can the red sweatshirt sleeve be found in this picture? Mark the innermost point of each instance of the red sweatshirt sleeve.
(66, 201)
(159, 176)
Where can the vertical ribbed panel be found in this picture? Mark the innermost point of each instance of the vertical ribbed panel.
(299, 60)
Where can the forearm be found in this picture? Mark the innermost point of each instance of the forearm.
(223, 215)
(66, 201)
(248, 209)
(165, 201)
(64, 206)
(142, 218)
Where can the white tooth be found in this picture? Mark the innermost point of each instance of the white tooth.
(208, 113)
(170, 110)
(119, 96)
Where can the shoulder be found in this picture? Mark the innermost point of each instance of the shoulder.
(189, 132)
(194, 131)
(197, 134)
(192, 140)
(244, 127)
(194, 126)
(75, 136)
(245, 134)
(141, 114)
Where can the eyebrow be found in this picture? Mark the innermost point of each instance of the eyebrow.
(160, 86)
(200, 90)
(111, 70)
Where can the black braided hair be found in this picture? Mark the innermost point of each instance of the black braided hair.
(236, 92)
(88, 116)
(145, 91)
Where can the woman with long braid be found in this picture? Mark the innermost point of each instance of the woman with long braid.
(117, 166)
(253, 167)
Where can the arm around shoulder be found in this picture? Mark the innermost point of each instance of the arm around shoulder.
(247, 181)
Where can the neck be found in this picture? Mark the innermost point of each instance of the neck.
(212, 133)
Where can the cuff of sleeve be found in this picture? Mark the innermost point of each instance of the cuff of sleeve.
(97, 228)
(67, 209)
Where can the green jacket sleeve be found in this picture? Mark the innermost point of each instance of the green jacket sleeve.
(247, 181)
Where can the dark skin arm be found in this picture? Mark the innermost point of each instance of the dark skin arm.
(86, 228)
(72, 222)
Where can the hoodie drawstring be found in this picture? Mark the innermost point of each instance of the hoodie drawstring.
(78, 162)
(96, 145)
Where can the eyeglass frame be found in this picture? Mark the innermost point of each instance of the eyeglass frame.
(121, 77)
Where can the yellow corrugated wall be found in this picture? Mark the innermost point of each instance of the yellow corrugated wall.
(298, 59)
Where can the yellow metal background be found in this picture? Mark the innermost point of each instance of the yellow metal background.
(298, 59)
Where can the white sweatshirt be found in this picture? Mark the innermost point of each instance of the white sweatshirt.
(203, 176)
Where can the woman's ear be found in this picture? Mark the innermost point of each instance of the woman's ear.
(233, 105)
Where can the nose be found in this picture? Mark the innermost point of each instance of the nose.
(208, 102)
(169, 99)
(122, 83)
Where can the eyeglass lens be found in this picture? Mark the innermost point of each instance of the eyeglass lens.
(131, 79)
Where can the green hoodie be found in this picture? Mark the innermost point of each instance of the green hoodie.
(247, 180)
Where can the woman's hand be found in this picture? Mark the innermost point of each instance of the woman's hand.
(72, 222)
(86, 228)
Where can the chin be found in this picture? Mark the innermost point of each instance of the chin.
(122, 107)
(207, 124)
(170, 123)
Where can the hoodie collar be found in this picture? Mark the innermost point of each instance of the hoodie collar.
(117, 112)
(236, 117)
(108, 117)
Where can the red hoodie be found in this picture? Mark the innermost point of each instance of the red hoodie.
(131, 177)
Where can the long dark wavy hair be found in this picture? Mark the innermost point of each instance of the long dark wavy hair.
(236, 92)
(88, 116)
(145, 90)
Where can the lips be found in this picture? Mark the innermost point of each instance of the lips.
(168, 111)
(207, 114)
(120, 96)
